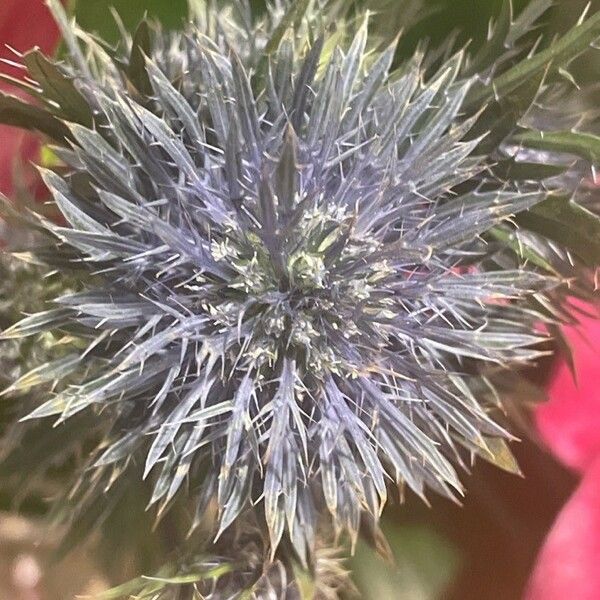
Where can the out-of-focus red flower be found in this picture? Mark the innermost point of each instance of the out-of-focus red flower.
(569, 563)
(23, 25)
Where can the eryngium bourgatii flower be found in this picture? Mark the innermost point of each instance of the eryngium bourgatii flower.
(292, 287)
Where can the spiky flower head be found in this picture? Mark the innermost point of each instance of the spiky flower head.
(296, 272)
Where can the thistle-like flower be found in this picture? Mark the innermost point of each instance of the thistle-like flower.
(295, 273)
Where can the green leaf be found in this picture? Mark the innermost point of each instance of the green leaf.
(512, 170)
(523, 251)
(567, 223)
(126, 590)
(58, 87)
(95, 15)
(585, 145)
(501, 116)
(141, 47)
(526, 20)
(558, 55)
(495, 45)
(213, 573)
(17, 113)
(147, 586)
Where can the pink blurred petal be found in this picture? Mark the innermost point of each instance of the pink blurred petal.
(17, 149)
(570, 422)
(23, 25)
(568, 566)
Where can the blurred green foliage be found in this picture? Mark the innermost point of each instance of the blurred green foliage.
(96, 15)
(425, 563)
(469, 19)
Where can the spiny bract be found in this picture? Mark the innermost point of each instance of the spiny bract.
(296, 275)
